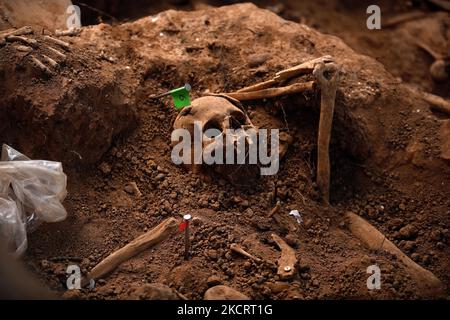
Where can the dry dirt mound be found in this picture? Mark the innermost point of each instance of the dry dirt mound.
(386, 159)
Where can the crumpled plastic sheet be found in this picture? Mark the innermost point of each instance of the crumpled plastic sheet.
(31, 192)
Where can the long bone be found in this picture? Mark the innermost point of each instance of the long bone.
(328, 76)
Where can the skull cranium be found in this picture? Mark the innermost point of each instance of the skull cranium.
(223, 114)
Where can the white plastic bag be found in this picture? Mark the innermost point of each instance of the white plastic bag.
(31, 191)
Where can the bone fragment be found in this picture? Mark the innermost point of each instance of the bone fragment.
(238, 249)
(50, 61)
(304, 68)
(57, 53)
(375, 240)
(28, 41)
(275, 209)
(272, 92)
(42, 66)
(68, 32)
(287, 261)
(141, 243)
(18, 32)
(58, 42)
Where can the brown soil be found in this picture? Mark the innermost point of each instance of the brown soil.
(387, 153)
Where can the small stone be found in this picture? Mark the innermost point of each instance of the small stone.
(415, 257)
(222, 292)
(256, 60)
(407, 232)
(409, 245)
(213, 281)
(160, 177)
(212, 254)
(132, 188)
(105, 168)
(278, 286)
(436, 235)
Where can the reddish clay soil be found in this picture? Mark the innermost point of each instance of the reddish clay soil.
(389, 152)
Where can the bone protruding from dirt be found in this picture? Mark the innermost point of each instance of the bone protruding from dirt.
(58, 42)
(41, 66)
(50, 61)
(287, 261)
(275, 209)
(238, 249)
(328, 77)
(273, 92)
(375, 240)
(437, 103)
(298, 70)
(22, 48)
(303, 68)
(259, 86)
(28, 41)
(141, 243)
(57, 53)
(68, 33)
(18, 32)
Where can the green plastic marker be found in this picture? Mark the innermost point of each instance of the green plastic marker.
(180, 96)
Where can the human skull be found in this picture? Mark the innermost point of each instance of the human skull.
(221, 113)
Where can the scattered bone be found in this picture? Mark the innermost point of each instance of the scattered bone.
(328, 89)
(238, 249)
(272, 92)
(58, 53)
(259, 86)
(287, 261)
(437, 103)
(28, 41)
(141, 243)
(404, 17)
(42, 66)
(22, 48)
(375, 240)
(68, 33)
(275, 209)
(18, 32)
(60, 43)
(304, 68)
(50, 61)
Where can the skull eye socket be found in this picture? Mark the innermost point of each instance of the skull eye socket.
(237, 120)
(212, 124)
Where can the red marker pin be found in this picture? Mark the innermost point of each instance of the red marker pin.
(184, 226)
